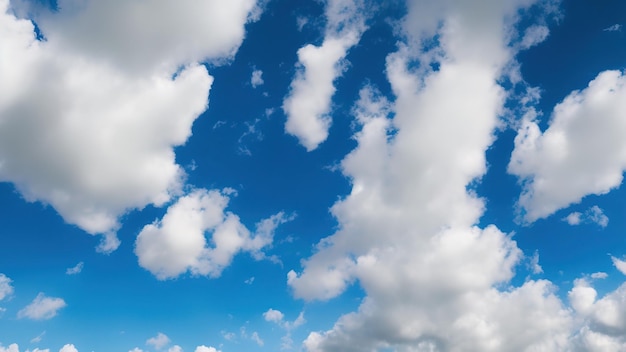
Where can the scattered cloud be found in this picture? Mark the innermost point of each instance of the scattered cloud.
(534, 35)
(613, 28)
(177, 243)
(599, 275)
(6, 290)
(75, 269)
(175, 348)
(159, 341)
(42, 308)
(256, 338)
(249, 281)
(38, 338)
(308, 103)
(257, 78)
(593, 215)
(534, 264)
(619, 264)
(584, 138)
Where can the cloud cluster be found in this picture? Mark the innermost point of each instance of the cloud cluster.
(593, 215)
(307, 105)
(434, 280)
(582, 152)
(177, 243)
(96, 151)
(6, 289)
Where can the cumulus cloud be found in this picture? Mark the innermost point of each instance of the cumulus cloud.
(42, 308)
(76, 269)
(6, 289)
(584, 138)
(178, 242)
(434, 280)
(159, 341)
(257, 78)
(593, 215)
(68, 348)
(206, 349)
(256, 338)
(619, 265)
(11, 348)
(56, 122)
(175, 348)
(307, 105)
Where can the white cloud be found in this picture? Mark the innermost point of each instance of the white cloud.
(68, 348)
(257, 78)
(584, 138)
(6, 289)
(434, 280)
(603, 320)
(307, 105)
(75, 269)
(129, 122)
(573, 218)
(42, 308)
(599, 275)
(37, 338)
(274, 316)
(256, 338)
(593, 215)
(175, 348)
(619, 264)
(159, 341)
(136, 349)
(39, 350)
(177, 243)
(206, 349)
(11, 348)
(534, 35)
(614, 28)
(534, 264)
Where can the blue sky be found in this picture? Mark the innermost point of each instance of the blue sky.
(339, 175)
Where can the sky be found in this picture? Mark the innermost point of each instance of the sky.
(315, 175)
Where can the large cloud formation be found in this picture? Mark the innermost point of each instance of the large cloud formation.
(434, 280)
(90, 115)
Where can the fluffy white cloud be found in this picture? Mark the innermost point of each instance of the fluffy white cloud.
(584, 138)
(75, 269)
(159, 341)
(136, 349)
(5, 287)
(434, 281)
(68, 348)
(603, 320)
(11, 348)
(307, 105)
(257, 78)
(175, 348)
(42, 308)
(177, 243)
(206, 349)
(96, 151)
(273, 315)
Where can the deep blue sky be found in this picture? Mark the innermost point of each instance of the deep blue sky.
(239, 142)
